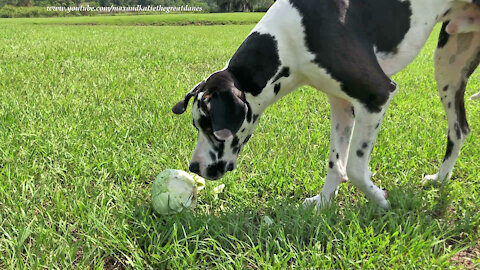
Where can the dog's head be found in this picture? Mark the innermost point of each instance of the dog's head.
(220, 112)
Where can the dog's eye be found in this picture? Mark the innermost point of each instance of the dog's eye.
(203, 107)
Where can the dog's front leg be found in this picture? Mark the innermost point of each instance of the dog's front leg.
(367, 124)
(340, 133)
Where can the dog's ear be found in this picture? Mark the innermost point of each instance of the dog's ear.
(227, 112)
(181, 106)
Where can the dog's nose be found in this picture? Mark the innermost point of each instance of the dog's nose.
(194, 167)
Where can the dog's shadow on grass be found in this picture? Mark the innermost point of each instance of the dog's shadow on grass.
(286, 223)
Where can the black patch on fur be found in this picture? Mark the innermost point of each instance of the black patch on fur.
(194, 167)
(243, 130)
(236, 150)
(449, 149)
(247, 139)
(345, 50)
(457, 131)
(364, 145)
(235, 141)
(230, 167)
(276, 88)
(330, 164)
(255, 62)
(285, 72)
(353, 111)
(249, 113)
(460, 108)
(216, 169)
(444, 36)
(445, 88)
(220, 150)
(255, 117)
(227, 109)
(213, 156)
(338, 156)
(205, 124)
(377, 126)
(449, 105)
(360, 153)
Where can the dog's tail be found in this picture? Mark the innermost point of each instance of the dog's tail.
(476, 96)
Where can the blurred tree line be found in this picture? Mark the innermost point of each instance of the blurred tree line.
(207, 5)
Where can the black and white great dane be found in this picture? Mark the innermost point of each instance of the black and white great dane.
(348, 49)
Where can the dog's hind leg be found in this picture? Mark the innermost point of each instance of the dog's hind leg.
(456, 58)
(341, 130)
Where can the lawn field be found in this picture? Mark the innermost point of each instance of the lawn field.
(86, 125)
(137, 20)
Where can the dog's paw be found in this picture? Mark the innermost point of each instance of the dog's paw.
(431, 178)
(382, 200)
(318, 202)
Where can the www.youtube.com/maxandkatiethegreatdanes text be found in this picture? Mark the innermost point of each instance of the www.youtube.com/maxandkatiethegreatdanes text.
(138, 8)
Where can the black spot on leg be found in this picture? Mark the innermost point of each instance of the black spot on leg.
(460, 108)
(243, 130)
(249, 113)
(247, 139)
(364, 145)
(457, 131)
(276, 89)
(444, 36)
(338, 156)
(445, 88)
(450, 146)
(330, 164)
(449, 105)
(255, 118)
(213, 156)
(377, 126)
(360, 153)
(337, 127)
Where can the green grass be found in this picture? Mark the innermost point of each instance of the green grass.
(85, 126)
(163, 19)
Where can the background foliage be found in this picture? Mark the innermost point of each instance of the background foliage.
(208, 5)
